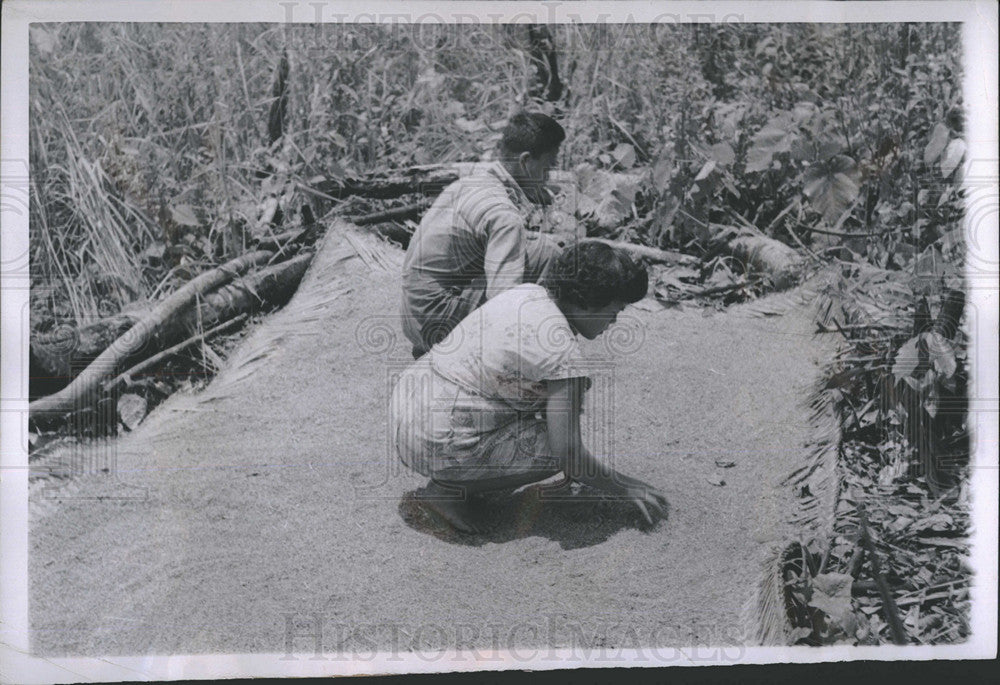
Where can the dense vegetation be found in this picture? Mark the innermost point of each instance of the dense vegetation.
(157, 151)
(148, 141)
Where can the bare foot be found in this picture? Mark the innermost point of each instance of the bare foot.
(446, 504)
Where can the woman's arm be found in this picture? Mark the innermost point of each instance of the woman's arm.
(566, 443)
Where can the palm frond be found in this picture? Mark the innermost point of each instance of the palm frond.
(326, 281)
(816, 484)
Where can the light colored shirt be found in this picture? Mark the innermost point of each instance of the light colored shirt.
(474, 400)
(506, 351)
(474, 232)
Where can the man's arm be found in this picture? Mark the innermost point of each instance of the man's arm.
(503, 262)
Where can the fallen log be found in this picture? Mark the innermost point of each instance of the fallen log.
(652, 254)
(411, 211)
(271, 286)
(84, 390)
(174, 349)
(421, 181)
(764, 255)
(57, 353)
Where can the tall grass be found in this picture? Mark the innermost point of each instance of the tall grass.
(149, 148)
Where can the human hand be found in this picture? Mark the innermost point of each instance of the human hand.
(650, 501)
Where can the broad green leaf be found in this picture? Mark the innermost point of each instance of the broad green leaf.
(930, 262)
(833, 584)
(335, 170)
(900, 523)
(768, 142)
(727, 118)
(952, 156)
(469, 126)
(774, 139)
(759, 159)
(831, 185)
(663, 169)
(154, 251)
(722, 153)
(907, 359)
(937, 143)
(803, 110)
(799, 634)
(803, 149)
(184, 215)
(705, 170)
(956, 543)
(829, 148)
(430, 77)
(937, 522)
(625, 155)
(131, 410)
(952, 240)
(941, 353)
(605, 196)
(832, 595)
(454, 108)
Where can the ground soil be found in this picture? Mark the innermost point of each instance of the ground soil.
(272, 500)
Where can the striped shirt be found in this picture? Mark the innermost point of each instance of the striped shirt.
(469, 245)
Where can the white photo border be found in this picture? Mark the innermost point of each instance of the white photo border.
(979, 19)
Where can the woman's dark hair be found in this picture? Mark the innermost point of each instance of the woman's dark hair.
(591, 274)
(531, 132)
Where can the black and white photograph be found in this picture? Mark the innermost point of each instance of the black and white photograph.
(371, 338)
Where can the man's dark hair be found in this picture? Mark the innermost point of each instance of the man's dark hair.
(592, 274)
(531, 132)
